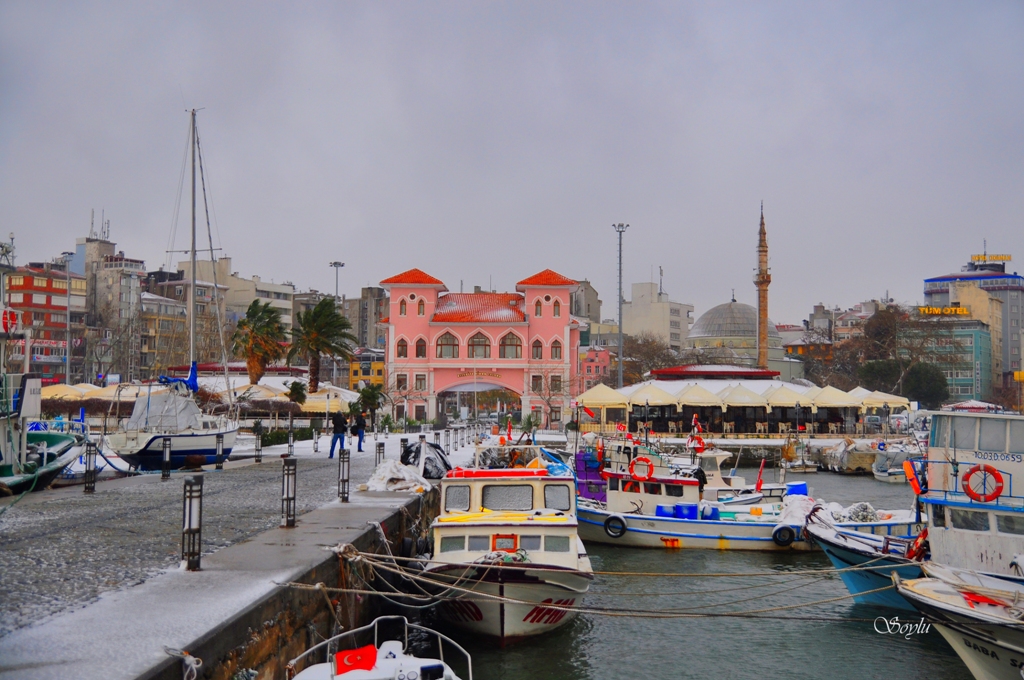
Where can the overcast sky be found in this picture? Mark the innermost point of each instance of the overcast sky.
(485, 141)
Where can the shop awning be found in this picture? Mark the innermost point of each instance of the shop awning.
(650, 395)
(602, 396)
(830, 397)
(880, 399)
(739, 395)
(859, 392)
(695, 395)
(783, 397)
(63, 392)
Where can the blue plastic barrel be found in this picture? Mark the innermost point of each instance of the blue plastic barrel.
(796, 488)
(665, 511)
(711, 513)
(687, 510)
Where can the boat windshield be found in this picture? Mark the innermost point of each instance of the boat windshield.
(508, 497)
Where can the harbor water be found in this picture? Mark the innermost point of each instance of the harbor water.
(835, 640)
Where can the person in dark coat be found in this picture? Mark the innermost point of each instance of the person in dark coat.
(361, 429)
(340, 423)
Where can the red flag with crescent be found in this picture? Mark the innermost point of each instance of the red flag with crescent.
(364, 658)
(621, 427)
(588, 412)
(696, 424)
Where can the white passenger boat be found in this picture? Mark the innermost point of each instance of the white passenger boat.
(981, 617)
(654, 506)
(380, 659)
(506, 539)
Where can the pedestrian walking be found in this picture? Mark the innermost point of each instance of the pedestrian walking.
(360, 429)
(340, 424)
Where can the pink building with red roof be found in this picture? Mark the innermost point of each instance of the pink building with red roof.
(440, 343)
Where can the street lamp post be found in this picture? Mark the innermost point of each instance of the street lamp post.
(334, 360)
(620, 228)
(67, 319)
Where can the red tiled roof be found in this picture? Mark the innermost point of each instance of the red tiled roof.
(546, 278)
(711, 371)
(479, 308)
(412, 277)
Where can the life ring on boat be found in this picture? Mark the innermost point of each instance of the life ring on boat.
(783, 535)
(696, 442)
(615, 526)
(600, 449)
(911, 472)
(916, 548)
(650, 468)
(996, 485)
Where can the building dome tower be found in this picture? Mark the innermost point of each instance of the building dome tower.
(761, 279)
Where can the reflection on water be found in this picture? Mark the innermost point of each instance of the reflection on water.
(599, 647)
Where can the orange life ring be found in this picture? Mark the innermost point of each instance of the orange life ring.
(696, 442)
(650, 468)
(997, 484)
(916, 548)
(911, 472)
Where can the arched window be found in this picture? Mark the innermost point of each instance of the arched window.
(537, 309)
(447, 347)
(556, 309)
(401, 308)
(421, 349)
(538, 349)
(421, 308)
(556, 348)
(479, 347)
(402, 349)
(511, 347)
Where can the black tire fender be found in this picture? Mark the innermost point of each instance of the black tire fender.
(615, 526)
(783, 535)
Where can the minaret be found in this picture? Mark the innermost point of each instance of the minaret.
(761, 280)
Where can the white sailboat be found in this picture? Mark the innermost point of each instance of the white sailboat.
(195, 438)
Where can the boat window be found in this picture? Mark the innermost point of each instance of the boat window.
(508, 497)
(1010, 524)
(456, 498)
(453, 543)
(674, 490)
(630, 486)
(613, 484)
(993, 434)
(505, 542)
(1017, 436)
(529, 542)
(556, 496)
(556, 544)
(969, 520)
(939, 515)
(652, 488)
(708, 463)
(962, 434)
(479, 543)
(940, 424)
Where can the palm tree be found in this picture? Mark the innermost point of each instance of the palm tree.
(372, 398)
(259, 339)
(321, 330)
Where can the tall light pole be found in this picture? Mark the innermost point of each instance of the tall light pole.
(620, 228)
(334, 360)
(67, 319)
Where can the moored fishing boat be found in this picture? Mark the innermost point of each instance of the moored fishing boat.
(507, 557)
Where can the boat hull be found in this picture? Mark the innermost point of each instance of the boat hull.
(145, 452)
(61, 451)
(542, 592)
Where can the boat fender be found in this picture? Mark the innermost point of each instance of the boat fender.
(916, 549)
(911, 472)
(646, 461)
(615, 526)
(405, 550)
(881, 446)
(995, 486)
(783, 535)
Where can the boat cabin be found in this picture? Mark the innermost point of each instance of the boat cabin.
(507, 510)
(632, 494)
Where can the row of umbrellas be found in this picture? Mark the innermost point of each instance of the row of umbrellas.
(326, 400)
(737, 395)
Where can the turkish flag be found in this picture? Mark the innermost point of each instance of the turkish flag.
(621, 427)
(364, 658)
(588, 412)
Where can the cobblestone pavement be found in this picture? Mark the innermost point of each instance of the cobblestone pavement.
(64, 551)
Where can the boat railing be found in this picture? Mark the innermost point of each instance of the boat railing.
(406, 626)
(945, 481)
(59, 425)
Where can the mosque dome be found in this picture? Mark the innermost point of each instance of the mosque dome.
(730, 320)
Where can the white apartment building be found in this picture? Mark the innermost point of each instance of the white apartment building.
(650, 310)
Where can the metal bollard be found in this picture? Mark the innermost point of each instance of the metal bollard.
(165, 474)
(220, 451)
(402, 443)
(437, 438)
(423, 441)
(291, 442)
(192, 523)
(259, 448)
(376, 433)
(90, 468)
(379, 458)
(447, 441)
(316, 441)
(289, 468)
(343, 474)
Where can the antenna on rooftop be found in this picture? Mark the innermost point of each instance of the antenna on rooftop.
(92, 223)
(661, 279)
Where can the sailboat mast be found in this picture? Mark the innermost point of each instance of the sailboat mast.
(192, 288)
